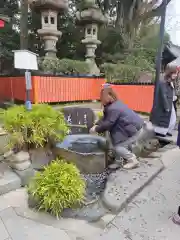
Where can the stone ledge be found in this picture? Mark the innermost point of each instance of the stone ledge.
(9, 180)
(123, 185)
(25, 175)
(75, 227)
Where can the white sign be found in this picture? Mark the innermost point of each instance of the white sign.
(24, 59)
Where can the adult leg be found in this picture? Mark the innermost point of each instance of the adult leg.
(160, 131)
(175, 105)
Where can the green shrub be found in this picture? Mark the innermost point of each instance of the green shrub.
(139, 61)
(63, 66)
(120, 73)
(58, 187)
(35, 127)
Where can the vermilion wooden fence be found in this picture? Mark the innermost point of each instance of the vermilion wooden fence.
(137, 97)
(53, 89)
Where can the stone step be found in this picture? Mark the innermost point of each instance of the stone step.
(149, 215)
(123, 185)
(9, 180)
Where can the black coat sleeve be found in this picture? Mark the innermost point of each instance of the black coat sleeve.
(99, 121)
(162, 92)
(108, 121)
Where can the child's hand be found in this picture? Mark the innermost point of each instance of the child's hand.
(93, 129)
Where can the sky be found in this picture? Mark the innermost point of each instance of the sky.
(173, 21)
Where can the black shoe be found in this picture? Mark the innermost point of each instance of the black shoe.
(169, 134)
(160, 135)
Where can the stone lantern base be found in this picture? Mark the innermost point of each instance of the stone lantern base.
(93, 68)
(91, 45)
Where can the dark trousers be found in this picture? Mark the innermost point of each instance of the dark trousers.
(175, 105)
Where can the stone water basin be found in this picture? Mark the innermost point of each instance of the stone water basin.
(86, 151)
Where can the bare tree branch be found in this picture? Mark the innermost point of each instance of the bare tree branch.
(155, 12)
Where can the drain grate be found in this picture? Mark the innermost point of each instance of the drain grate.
(95, 184)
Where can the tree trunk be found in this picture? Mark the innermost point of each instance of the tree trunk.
(24, 25)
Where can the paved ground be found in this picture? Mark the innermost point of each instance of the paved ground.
(148, 216)
(14, 227)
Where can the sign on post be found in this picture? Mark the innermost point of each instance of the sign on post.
(28, 80)
(24, 59)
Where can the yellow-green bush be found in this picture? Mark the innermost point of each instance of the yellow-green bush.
(58, 187)
(35, 127)
(100, 114)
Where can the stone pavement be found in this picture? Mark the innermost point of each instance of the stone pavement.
(18, 222)
(148, 216)
(14, 227)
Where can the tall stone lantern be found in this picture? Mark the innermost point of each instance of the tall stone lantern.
(91, 18)
(49, 10)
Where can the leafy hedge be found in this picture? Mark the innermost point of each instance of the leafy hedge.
(36, 127)
(128, 71)
(63, 66)
(120, 72)
(139, 61)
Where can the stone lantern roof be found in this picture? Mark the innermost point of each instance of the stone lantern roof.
(90, 14)
(49, 4)
(4, 18)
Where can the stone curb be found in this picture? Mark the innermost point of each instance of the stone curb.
(116, 204)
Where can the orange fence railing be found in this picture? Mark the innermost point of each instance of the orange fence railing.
(53, 89)
(67, 89)
(137, 97)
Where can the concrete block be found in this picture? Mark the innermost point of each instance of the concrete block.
(21, 157)
(19, 161)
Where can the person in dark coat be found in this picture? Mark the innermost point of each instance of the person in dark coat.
(123, 124)
(176, 217)
(163, 115)
(178, 137)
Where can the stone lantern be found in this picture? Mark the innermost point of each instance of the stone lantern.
(49, 10)
(91, 18)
